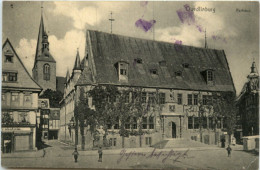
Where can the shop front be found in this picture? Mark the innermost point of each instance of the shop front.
(16, 139)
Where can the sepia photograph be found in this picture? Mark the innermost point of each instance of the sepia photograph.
(130, 85)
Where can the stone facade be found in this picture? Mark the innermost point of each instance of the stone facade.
(39, 75)
(161, 68)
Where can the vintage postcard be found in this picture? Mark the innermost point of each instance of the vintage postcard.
(130, 84)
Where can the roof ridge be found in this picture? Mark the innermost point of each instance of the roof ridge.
(150, 40)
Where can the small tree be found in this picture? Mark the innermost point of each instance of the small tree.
(224, 106)
(53, 96)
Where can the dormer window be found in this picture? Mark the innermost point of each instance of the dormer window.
(122, 70)
(185, 65)
(210, 75)
(162, 63)
(138, 61)
(178, 73)
(153, 71)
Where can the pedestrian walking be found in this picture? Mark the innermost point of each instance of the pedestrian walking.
(100, 154)
(75, 153)
(229, 151)
(44, 152)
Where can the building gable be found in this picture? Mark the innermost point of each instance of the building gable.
(16, 66)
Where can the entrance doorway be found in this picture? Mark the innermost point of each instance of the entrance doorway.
(173, 130)
(53, 134)
(7, 142)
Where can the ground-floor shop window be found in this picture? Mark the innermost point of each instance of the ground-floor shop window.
(190, 122)
(112, 142)
(211, 123)
(196, 123)
(144, 122)
(151, 122)
(148, 140)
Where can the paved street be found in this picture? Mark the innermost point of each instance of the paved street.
(60, 156)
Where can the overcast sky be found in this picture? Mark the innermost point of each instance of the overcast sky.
(66, 22)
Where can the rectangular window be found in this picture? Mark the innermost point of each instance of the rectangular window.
(114, 142)
(3, 98)
(162, 98)
(116, 126)
(122, 71)
(190, 122)
(15, 98)
(148, 140)
(204, 122)
(27, 99)
(143, 97)
(151, 122)
(211, 123)
(9, 77)
(134, 123)
(225, 123)
(196, 123)
(109, 126)
(179, 98)
(210, 75)
(218, 123)
(209, 100)
(127, 123)
(189, 99)
(9, 58)
(204, 100)
(151, 98)
(110, 141)
(144, 122)
(195, 99)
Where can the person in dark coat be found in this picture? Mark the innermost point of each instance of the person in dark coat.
(229, 151)
(100, 152)
(75, 153)
(44, 153)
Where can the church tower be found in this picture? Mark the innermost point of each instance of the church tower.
(253, 79)
(44, 69)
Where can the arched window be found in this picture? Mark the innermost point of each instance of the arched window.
(46, 72)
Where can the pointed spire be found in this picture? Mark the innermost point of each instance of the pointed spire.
(206, 45)
(67, 75)
(84, 62)
(77, 61)
(253, 72)
(253, 67)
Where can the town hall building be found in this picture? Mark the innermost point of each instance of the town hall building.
(180, 75)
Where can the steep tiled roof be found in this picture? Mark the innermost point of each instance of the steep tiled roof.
(107, 49)
(24, 79)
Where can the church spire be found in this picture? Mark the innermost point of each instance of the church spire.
(253, 72)
(77, 61)
(67, 76)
